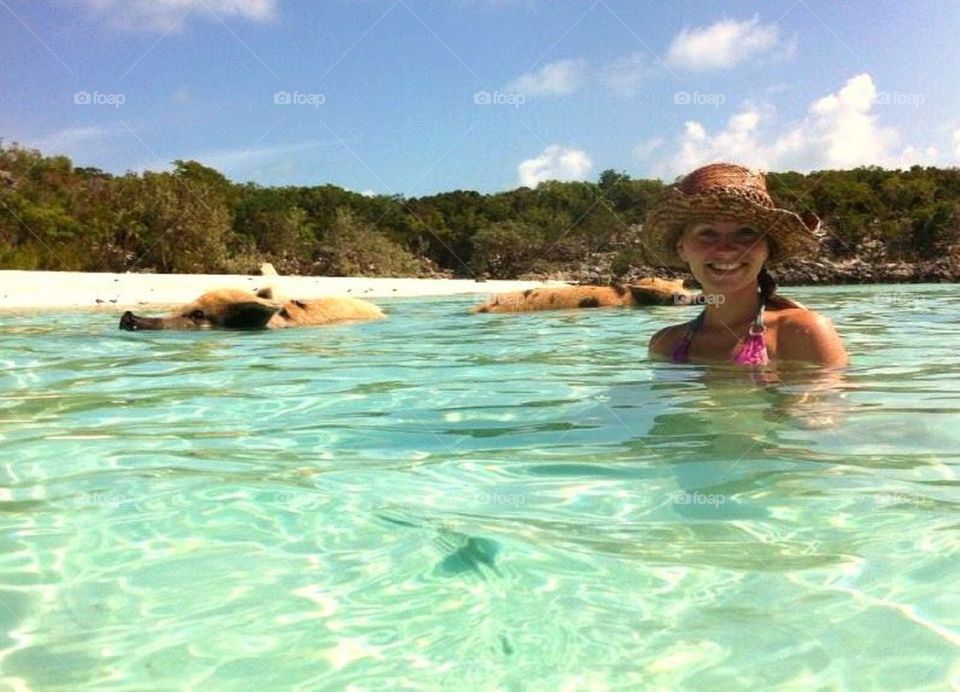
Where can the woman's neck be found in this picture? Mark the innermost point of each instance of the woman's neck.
(735, 309)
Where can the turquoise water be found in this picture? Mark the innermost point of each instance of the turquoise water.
(450, 501)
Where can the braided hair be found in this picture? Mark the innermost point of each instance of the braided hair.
(768, 293)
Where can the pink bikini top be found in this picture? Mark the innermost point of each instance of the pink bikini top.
(752, 352)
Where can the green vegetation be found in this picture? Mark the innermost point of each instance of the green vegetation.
(193, 219)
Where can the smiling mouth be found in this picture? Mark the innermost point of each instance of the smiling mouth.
(724, 267)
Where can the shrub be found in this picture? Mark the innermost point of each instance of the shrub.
(351, 247)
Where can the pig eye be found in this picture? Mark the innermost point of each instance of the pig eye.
(196, 315)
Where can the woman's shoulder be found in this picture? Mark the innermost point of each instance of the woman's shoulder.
(801, 319)
(807, 336)
(664, 340)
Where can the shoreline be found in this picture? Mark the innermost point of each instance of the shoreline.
(50, 290)
(109, 292)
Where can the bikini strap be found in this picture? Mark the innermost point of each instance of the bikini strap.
(758, 327)
(695, 324)
(681, 352)
(753, 351)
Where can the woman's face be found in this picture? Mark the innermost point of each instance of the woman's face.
(726, 255)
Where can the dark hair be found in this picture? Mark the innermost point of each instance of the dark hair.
(768, 292)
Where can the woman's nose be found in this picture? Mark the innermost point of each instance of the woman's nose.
(727, 242)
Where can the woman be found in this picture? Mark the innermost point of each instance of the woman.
(720, 222)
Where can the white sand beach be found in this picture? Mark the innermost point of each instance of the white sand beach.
(20, 290)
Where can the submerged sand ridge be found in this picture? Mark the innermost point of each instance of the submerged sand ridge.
(53, 290)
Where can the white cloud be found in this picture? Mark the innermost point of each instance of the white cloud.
(846, 126)
(840, 130)
(555, 163)
(555, 79)
(163, 15)
(627, 74)
(723, 44)
(917, 156)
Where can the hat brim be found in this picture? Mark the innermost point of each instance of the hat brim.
(787, 234)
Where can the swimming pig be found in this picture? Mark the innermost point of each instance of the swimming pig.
(230, 308)
(649, 291)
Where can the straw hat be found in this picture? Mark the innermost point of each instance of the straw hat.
(724, 192)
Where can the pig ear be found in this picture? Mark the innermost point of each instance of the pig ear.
(252, 315)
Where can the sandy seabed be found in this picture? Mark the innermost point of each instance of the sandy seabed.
(20, 290)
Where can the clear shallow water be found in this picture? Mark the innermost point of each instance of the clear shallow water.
(447, 501)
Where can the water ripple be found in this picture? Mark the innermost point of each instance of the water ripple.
(443, 500)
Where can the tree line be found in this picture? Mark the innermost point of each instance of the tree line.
(56, 216)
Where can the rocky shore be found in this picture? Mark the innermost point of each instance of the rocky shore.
(819, 272)
(868, 265)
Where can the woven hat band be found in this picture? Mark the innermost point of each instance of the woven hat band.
(725, 177)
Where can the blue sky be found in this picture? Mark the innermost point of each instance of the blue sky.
(414, 97)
